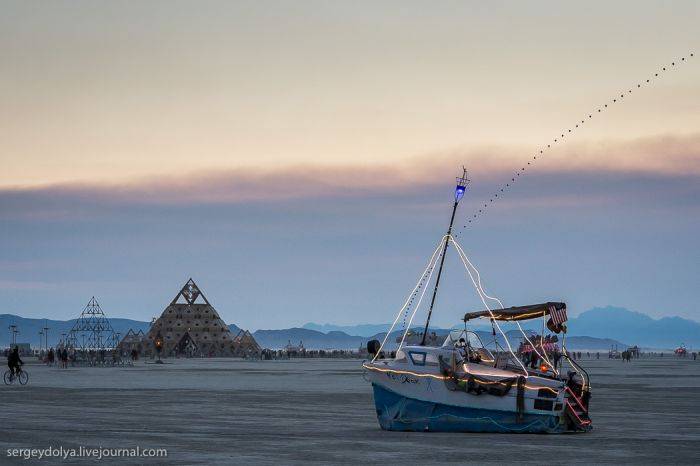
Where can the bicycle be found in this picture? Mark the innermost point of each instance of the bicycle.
(9, 377)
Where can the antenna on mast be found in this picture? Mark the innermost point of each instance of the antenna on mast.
(460, 189)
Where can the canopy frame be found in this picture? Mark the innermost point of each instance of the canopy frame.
(532, 311)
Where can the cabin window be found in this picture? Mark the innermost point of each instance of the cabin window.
(431, 360)
(417, 357)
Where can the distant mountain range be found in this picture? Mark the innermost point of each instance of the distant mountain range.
(612, 323)
(636, 328)
(596, 329)
(29, 328)
(313, 339)
(362, 330)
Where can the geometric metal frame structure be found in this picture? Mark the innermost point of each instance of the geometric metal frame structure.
(92, 330)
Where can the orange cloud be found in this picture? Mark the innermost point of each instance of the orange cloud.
(661, 155)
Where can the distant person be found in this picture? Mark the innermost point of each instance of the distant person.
(695, 355)
(14, 362)
(597, 355)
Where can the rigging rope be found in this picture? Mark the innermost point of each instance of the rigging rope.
(421, 279)
(481, 294)
(559, 138)
(480, 289)
(415, 309)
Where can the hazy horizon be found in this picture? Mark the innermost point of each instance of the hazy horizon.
(297, 159)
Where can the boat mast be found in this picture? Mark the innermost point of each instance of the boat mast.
(462, 183)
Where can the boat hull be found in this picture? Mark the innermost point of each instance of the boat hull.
(397, 412)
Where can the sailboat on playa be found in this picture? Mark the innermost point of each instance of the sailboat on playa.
(464, 385)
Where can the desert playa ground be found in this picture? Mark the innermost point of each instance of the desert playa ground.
(321, 411)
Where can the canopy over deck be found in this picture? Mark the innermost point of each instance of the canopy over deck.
(532, 311)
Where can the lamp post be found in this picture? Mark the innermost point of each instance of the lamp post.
(46, 334)
(13, 333)
(462, 183)
(159, 347)
(41, 341)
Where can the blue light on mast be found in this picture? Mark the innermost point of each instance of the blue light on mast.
(462, 182)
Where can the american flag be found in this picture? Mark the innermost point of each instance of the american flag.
(558, 315)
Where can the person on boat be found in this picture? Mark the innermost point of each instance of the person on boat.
(556, 357)
(534, 359)
(14, 362)
(462, 347)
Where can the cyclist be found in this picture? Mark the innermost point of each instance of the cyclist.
(14, 361)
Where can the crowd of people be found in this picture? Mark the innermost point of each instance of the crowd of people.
(62, 357)
(59, 357)
(533, 352)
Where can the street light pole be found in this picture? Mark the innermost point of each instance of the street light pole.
(13, 332)
(46, 333)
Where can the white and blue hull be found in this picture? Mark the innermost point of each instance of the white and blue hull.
(400, 413)
(409, 397)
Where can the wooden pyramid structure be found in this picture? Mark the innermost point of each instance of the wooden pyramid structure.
(190, 326)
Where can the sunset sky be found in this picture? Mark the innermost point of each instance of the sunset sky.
(297, 159)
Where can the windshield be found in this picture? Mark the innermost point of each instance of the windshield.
(468, 340)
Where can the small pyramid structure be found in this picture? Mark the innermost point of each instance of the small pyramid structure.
(190, 326)
(246, 345)
(133, 340)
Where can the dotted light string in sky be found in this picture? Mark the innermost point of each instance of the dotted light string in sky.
(559, 139)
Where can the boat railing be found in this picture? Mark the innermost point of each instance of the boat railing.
(580, 370)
